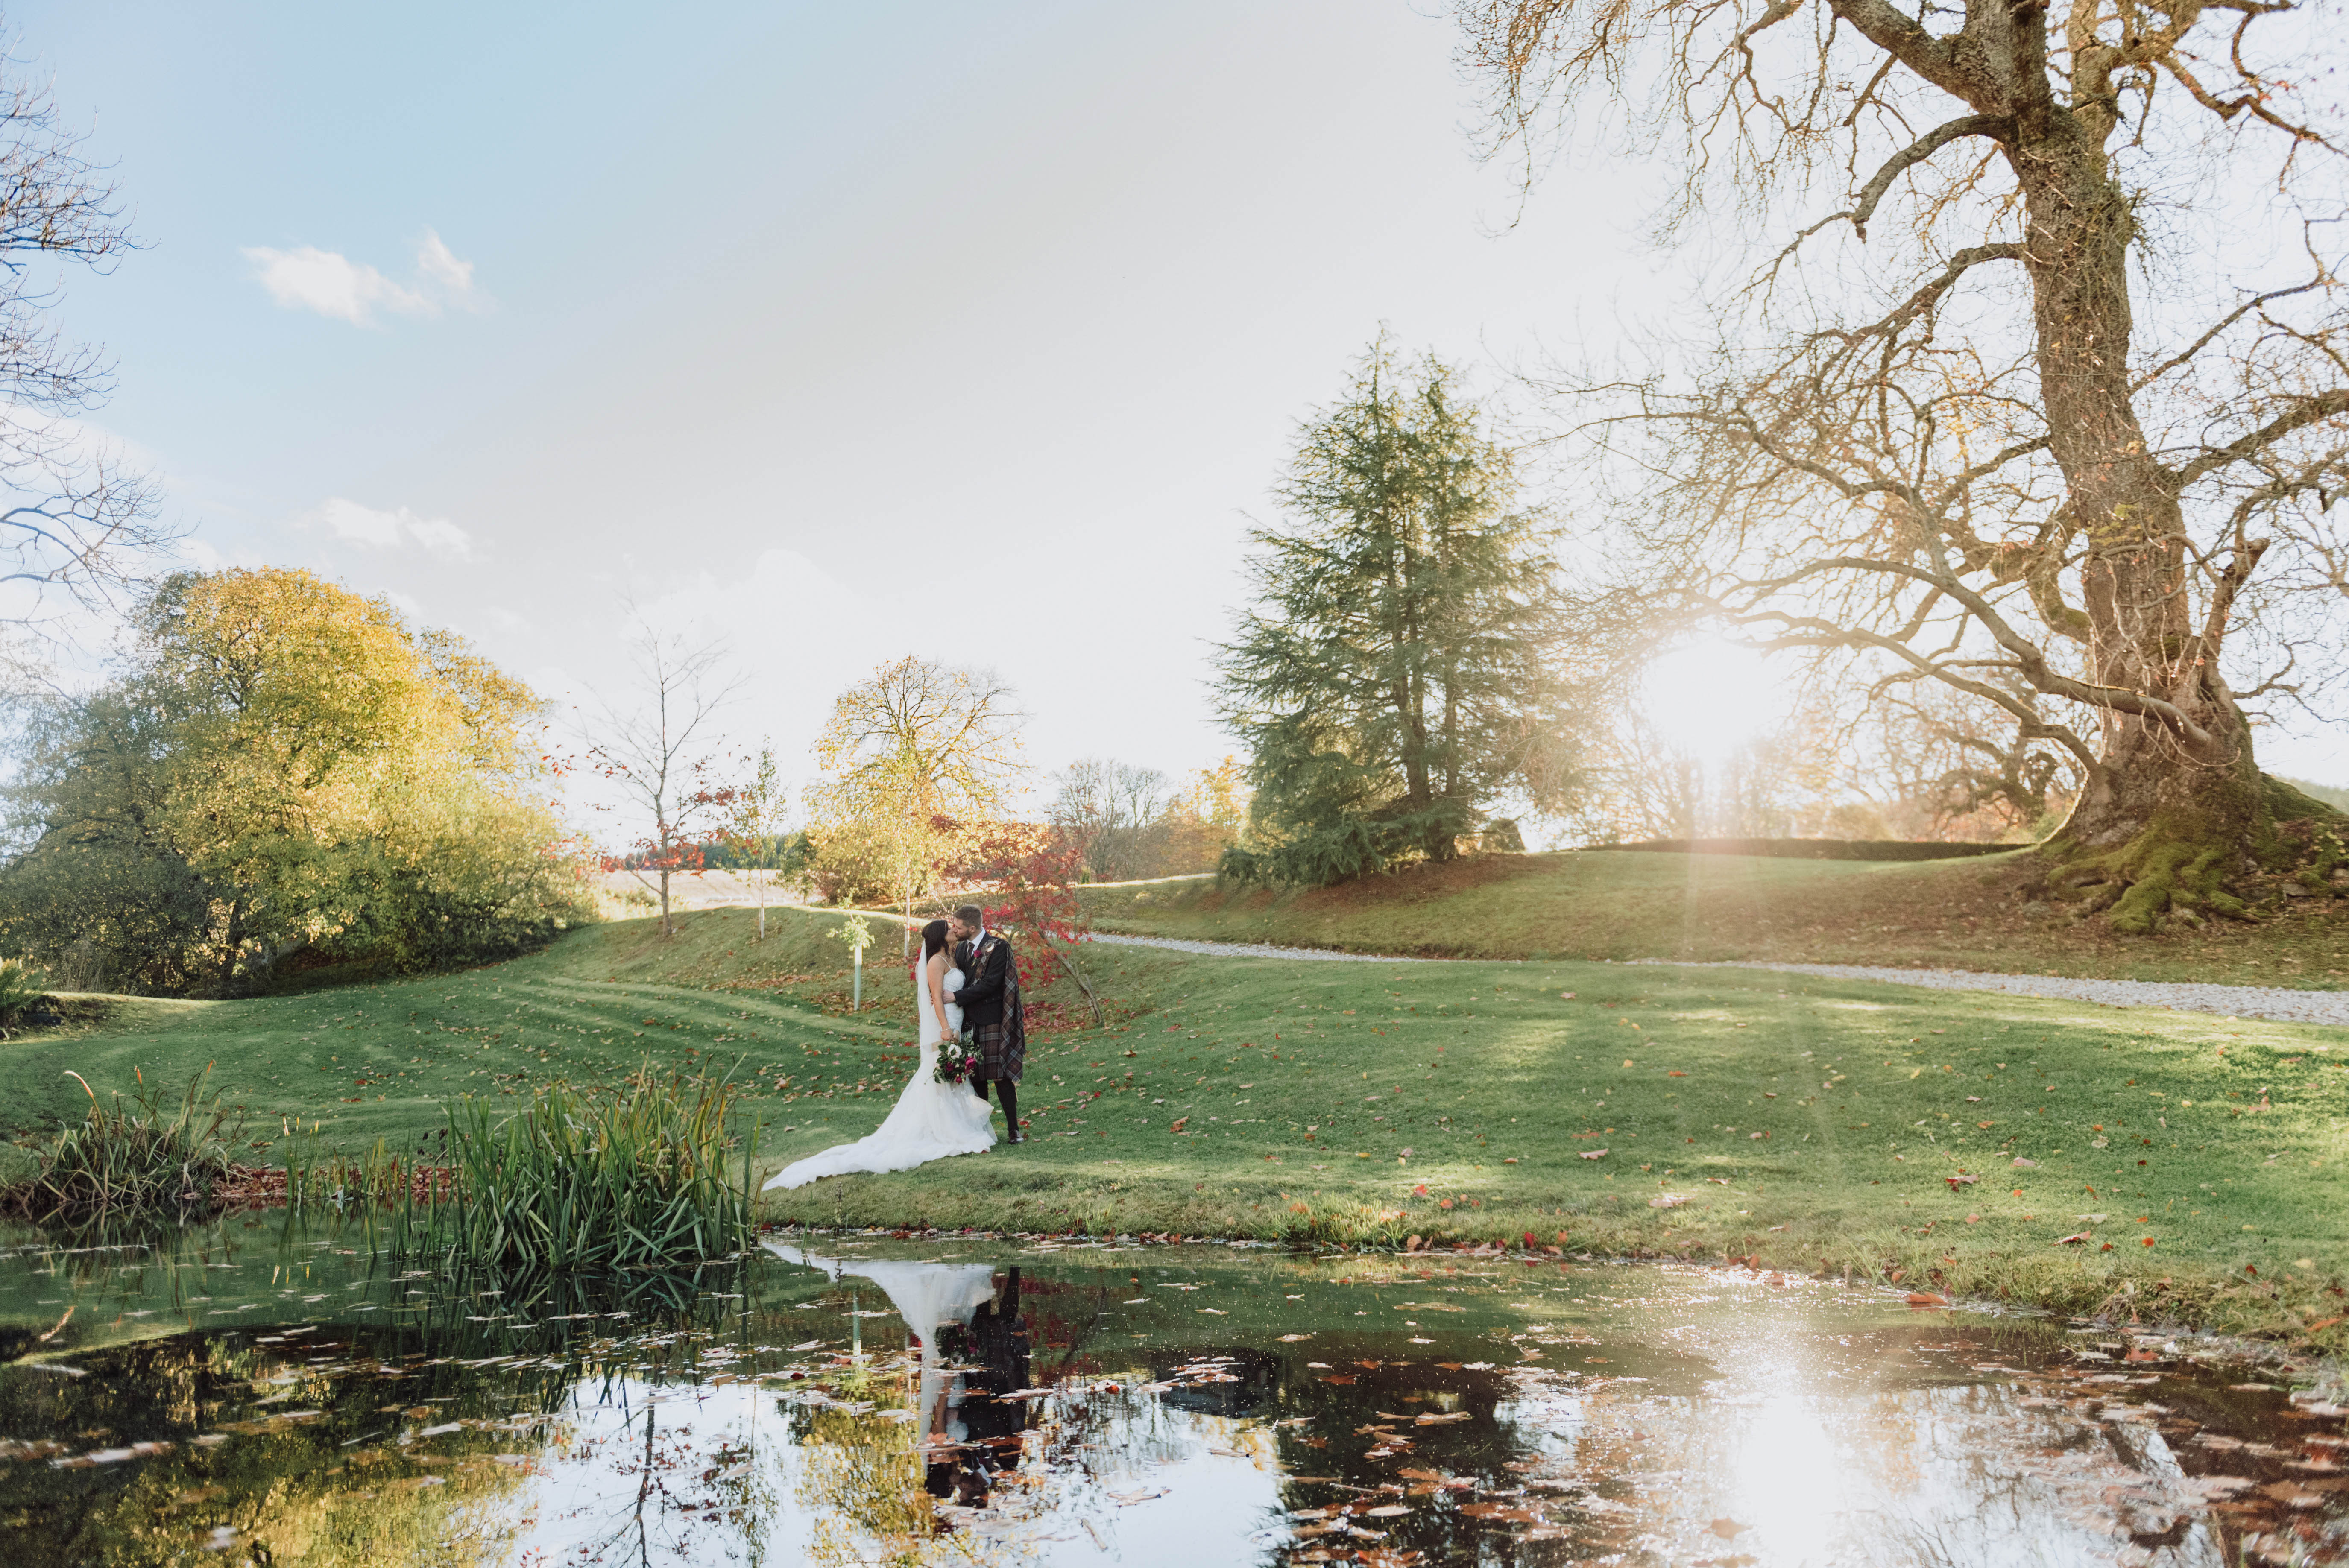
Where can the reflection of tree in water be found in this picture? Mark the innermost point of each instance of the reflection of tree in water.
(287, 1490)
(341, 1486)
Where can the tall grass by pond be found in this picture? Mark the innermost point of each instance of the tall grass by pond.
(645, 1179)
(144, 1155)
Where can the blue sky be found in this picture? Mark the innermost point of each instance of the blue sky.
(845, 331)
(972, 331)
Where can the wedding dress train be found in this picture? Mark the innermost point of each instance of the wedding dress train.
(930, 1121)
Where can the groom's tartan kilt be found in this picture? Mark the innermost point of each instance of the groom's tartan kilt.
(1003, 1058)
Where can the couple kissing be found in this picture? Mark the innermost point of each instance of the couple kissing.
(966, 987)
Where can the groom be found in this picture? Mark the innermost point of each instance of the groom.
(991, 1012)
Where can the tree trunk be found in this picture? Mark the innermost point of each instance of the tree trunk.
(2177, 803)
(667, 929)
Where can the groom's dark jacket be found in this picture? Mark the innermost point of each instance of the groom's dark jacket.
(984, 972)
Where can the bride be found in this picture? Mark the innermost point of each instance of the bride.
(931, 1119)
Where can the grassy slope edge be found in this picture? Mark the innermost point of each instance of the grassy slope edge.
(1600, 905)
(1813, 1125)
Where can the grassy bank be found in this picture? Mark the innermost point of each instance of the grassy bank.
(1807, 1124)
(1963, 914)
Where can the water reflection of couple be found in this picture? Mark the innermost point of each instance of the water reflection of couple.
(969, 1429)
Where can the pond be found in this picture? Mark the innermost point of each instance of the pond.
(251, 1392)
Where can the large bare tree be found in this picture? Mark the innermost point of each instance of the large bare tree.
(77, 524)
(2036, 385)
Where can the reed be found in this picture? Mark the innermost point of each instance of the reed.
(639, 1180)
(311, 1175)
(145, 1154)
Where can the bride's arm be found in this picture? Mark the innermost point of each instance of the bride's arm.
(933, 973)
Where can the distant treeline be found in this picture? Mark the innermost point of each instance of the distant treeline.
(785, 854)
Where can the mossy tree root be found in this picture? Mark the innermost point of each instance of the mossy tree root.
(2180, 869)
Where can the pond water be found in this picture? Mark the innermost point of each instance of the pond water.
(252, 1393)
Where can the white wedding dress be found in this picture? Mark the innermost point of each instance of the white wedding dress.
(930, 1121)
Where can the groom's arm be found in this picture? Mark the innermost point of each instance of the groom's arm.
(988, 983)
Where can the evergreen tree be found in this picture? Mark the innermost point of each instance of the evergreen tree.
(1395, 672)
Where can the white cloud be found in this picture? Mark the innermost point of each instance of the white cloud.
(331, 283)
(392, 529)
(436, 263)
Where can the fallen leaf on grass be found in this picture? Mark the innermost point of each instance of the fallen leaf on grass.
(1667, 1199)
(1961, 1181)
(1594, 1154)
(1293, 1338)
(2074, 1239)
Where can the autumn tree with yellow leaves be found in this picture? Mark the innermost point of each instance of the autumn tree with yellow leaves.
(283, 767)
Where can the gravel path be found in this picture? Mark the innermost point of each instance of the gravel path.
(2179, 996)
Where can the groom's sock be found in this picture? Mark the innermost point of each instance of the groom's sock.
(1008, 1093)
(979, 1088)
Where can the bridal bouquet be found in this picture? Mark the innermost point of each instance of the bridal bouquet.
(957, 1060)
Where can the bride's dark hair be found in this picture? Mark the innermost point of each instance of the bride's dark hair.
(933, 937)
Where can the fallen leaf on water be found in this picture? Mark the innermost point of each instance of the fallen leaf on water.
(1927, 1298)
(1728, 1528)
(1499, 1513)
(1386, 1510)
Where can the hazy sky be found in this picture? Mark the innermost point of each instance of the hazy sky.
(975, 331)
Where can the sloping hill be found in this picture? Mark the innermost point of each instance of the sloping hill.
(1600, 905)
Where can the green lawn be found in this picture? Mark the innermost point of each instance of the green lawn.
(1810, 1124)
(1597, 904)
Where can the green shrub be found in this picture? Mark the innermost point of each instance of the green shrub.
(21, 986)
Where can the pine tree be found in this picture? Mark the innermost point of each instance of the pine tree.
(1394, 674)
